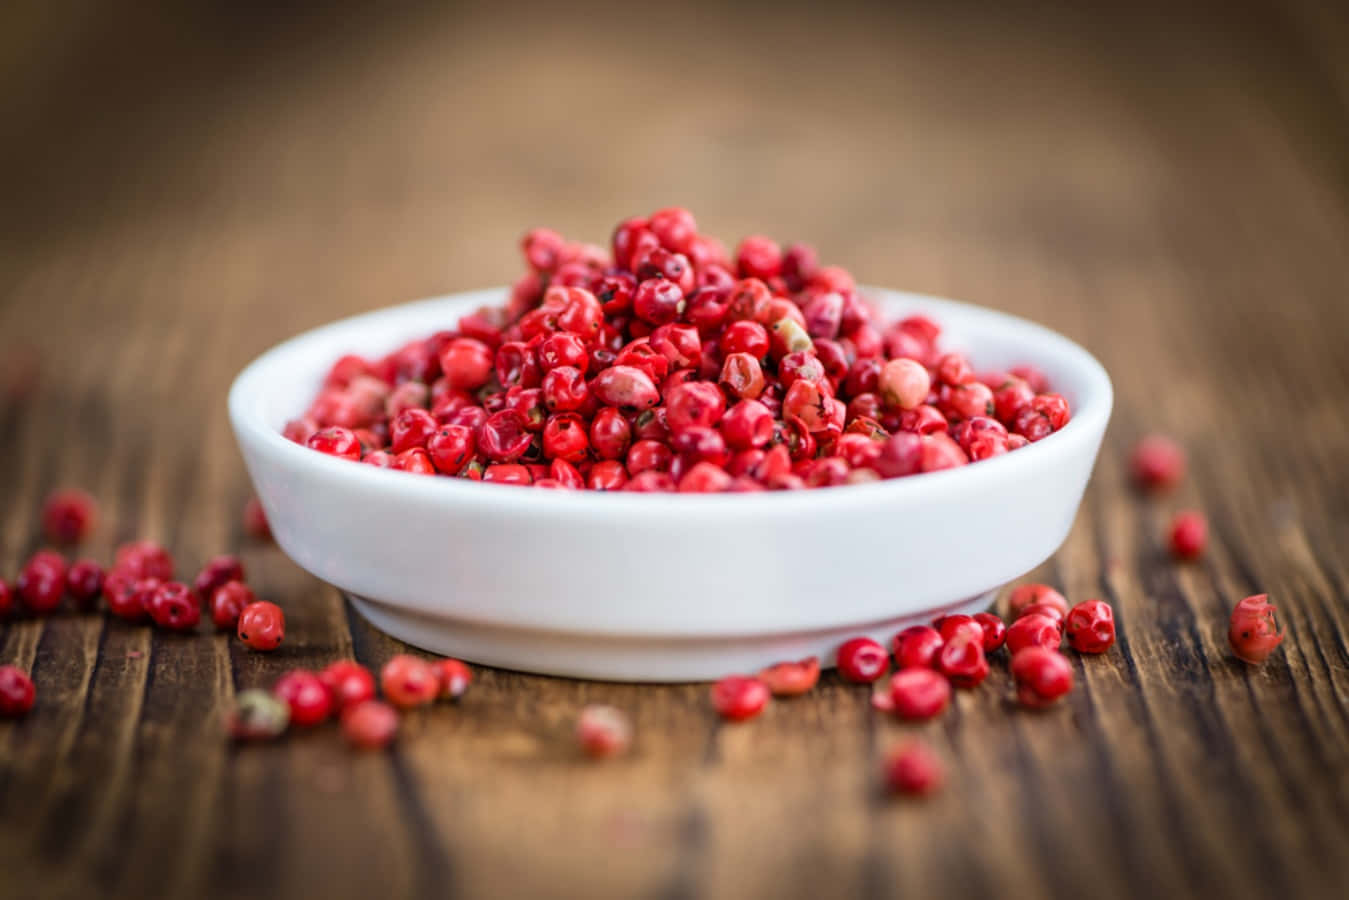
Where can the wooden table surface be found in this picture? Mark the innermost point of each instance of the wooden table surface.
(1168, 185)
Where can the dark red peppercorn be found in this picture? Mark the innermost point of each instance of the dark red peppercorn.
(42, 582)
(1025, 595)
(174, 606)
(995, 630)
(6, 600)
(1189, 535)
(68, 516)
(227, 602)
(217, 571)
(17, 693)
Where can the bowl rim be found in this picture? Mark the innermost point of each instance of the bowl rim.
(1090, 416)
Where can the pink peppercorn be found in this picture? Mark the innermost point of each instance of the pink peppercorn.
(1253, 631)
(17, 693)
(1024, 595)
(789, 679)
(919, 693)
(6, 599)
(963, 661)
(912, 769)
(1189, 535)
(739, 697)
(370, 725)
(959, 626)
(454, 678)
(1033, 630)
(336, 441)
(84, 583)
(42, 582)
(347, 683)
(68, 516)
(409, 681)
(995, 630)
(308, 699)
(174, 606)
(1090, 626)
(1042, 676)
(862, 660)
(603, 731)
(1157, 462)
(122, 597)
(217, 571)
(227, 602)
(262, 625)
(904, 383)
(917, 647)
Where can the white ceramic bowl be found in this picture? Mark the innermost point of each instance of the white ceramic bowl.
(661, 587)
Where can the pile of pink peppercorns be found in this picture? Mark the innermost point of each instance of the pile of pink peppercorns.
(665, 364)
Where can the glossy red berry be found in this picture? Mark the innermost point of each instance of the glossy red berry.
(227, 602)
(122, 597)
(466, 363)
(1157, 463)
(84, 583)
(175, 607)
(336, 441)
(1189, 535)
(995, 630)
(739, 697)
(1253, 631)
(255, 520)
(347, 683)
(1024, 595)
(370, 725)
(309, 700)
(409, 681)
(262, 625)
(6, 599)
(1033, 630)
(603, 731)
(1042, 676)
(454, 678)
(257, 715)
(1090, 626)
(912, 769)
(958, 626)
(862, 660)
(42, 582)
(917, 647)
(919, 693)
(789, 679)
(17, 693)
(963, 661)
(217, 571)
(68, 516)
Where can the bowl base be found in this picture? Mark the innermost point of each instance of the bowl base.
(629, 658)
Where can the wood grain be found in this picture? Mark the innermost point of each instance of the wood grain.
(187, 184)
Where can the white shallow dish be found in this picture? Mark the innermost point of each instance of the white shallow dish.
(661, 587)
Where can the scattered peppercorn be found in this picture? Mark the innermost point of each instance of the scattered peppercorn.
(1254, 632)
(739, 697)
(308, 698)
(68, 516)
(862, 660)
(603, 731)
(17, 693)
(409, 681)
(370, 725)
(257, 716)
(912, 769)
(1042, 676)
(1157, 463)
(1189, 535)
(790, 679)
(1090, 626)
(919, 693)
(262, 625)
